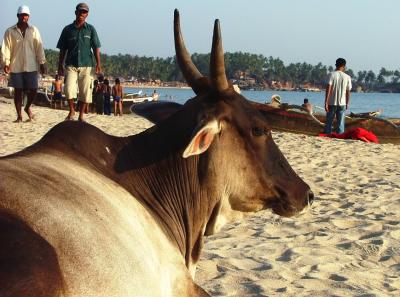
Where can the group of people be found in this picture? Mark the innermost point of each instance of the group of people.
(337, 98)
(23, 57)
(79, 59)
(102, 93)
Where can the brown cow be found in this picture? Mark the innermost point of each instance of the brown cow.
(83, 213)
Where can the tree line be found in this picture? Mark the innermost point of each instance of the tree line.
(263, 71)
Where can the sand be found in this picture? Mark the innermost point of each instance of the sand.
(347, 244)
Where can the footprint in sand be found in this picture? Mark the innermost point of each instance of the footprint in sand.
(345, 224)
(286, 256)
(395, 234)
(372, 235)
(369, 249)
(337, 278)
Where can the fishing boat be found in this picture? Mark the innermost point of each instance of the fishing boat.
(295, 119)
(43, 98)
(130, 99)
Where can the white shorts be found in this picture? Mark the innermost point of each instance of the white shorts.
(79, 78)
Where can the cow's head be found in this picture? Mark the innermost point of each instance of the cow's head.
(237, 153)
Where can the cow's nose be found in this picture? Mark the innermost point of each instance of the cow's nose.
(310, 197)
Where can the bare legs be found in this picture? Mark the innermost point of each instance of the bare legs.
(83, 108)
(18, 104)
(71, 110)
(118, 107)
(18, 94)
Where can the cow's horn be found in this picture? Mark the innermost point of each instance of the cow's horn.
(189, 70)
(217, 65)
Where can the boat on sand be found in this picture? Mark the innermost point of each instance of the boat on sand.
(130, 99)
(295, 119)
(43, 98)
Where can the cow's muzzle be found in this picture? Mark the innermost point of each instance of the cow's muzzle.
(287, 206)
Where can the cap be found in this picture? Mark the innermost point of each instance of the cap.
(23, 9)
(82, 6)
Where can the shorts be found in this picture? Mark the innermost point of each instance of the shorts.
(79, 78)
(117, 98)
(24, 80)
(57, 96)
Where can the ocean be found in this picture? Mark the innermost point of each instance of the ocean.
(388, 103)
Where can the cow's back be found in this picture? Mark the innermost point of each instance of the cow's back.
(94, 238)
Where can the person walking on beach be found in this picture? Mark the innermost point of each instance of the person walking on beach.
(117, 93)
(78, 44)
(22, 55)
(337, 97)
(57, 91)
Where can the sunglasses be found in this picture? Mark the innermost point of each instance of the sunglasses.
(83, 12)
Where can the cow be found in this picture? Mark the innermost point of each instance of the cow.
(84, 214)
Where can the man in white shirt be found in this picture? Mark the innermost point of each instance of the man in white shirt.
(22, 56)
(337, 97)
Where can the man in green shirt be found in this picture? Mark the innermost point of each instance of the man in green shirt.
(78, 45)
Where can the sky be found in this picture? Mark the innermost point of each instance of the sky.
(364, 32)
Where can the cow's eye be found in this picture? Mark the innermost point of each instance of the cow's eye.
(258, 131)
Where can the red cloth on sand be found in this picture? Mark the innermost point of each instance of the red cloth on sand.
(354, 133)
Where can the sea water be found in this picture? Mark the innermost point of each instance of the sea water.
(388, 103)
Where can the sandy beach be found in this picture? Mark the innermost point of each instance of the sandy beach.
(347, 244)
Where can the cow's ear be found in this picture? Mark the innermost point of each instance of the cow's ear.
(156, 111)
(204, 135)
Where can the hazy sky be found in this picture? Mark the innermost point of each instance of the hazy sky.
(365, 32)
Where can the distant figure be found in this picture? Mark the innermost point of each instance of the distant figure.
(78, 45)
(337, 97)
(22, 55)
(107, 97)
(95, 83)
(117, 94)
(155, 95)
(99, 95)
(308, 106)
(275, 101)
(56, 88)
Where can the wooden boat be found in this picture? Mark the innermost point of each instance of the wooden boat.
(130, 99)
(295, 119)
(43, 99)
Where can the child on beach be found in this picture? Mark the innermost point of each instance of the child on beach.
(117, 94)
(57, 89)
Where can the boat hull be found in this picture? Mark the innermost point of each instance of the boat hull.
(281, 119)
(42, 99)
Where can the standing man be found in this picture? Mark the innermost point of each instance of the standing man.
(22, 56)
(78, 44)
(337, 97)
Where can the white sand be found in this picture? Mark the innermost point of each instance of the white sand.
(348, 244)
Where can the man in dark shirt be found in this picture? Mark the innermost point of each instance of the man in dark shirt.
(78, 45)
